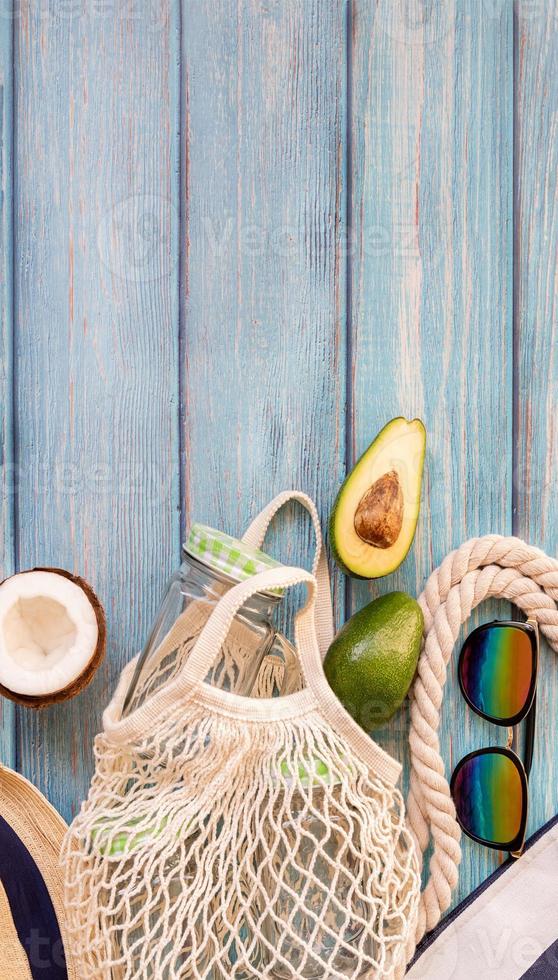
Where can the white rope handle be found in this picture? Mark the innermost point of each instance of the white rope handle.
(492, 566)
(255, 536)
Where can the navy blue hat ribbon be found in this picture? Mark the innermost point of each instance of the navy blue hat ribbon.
(31, 908)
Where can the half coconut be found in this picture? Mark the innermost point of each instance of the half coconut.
(52, 636)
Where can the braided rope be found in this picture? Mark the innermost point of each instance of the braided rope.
(492, 566)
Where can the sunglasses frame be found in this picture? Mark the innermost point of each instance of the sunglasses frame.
(530, 628)
(515, 846)
(528, 712)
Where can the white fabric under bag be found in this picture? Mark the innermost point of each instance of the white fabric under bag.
(226, 836)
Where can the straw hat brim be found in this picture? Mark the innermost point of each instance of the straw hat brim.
(41, 830)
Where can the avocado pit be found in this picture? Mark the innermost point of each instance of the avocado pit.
(379, 515)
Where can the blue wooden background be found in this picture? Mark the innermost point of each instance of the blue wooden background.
(237, 237)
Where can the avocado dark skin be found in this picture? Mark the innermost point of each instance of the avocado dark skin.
(372, 661)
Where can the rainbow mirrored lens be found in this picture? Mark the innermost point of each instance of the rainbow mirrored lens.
(488, 793)
(496, 670)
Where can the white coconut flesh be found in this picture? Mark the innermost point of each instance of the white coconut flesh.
(48, 633)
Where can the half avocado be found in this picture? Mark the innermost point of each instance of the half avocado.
(375, 515)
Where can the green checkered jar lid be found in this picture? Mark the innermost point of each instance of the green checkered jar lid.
(227, 555)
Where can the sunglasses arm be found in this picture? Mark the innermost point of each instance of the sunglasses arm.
(530, 737)
(527, 758)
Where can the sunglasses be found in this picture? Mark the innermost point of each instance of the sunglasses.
(498, 668)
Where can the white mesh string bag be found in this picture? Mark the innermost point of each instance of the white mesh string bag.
(226, 836)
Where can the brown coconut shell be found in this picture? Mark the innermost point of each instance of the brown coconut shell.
(86, 676)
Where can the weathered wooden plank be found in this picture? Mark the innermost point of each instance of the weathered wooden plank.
(263, 268)
(536, 317)
(431, 305)
(96, 333)
(7, 474)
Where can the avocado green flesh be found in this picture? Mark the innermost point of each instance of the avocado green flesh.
(399, 447)
(372, 661)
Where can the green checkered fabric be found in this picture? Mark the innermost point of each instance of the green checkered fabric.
(227, 555)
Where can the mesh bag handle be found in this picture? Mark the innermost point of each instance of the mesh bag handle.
(213, 635)
(317, 694)
(215, 631)
(255, 535)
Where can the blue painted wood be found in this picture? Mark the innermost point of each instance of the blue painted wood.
(96, 215)
(263, 265)
(7, 473)
(431, 297)
(301, 125)
(536, 317)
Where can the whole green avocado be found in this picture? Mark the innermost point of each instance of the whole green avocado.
(372, 661)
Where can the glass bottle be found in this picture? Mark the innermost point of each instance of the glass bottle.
(305, 859)
(212, 563)
(140, 912)
(255, 659)
(146, 934)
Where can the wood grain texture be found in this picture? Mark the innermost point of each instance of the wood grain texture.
(328, 188)
(536, 361)
(263, 267)
(431, 299)
(7, 471)
(96, 335)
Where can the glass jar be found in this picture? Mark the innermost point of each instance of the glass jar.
(213, 562)
(148, 927)
(140, 913)
(305, 859)
(144, 959)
